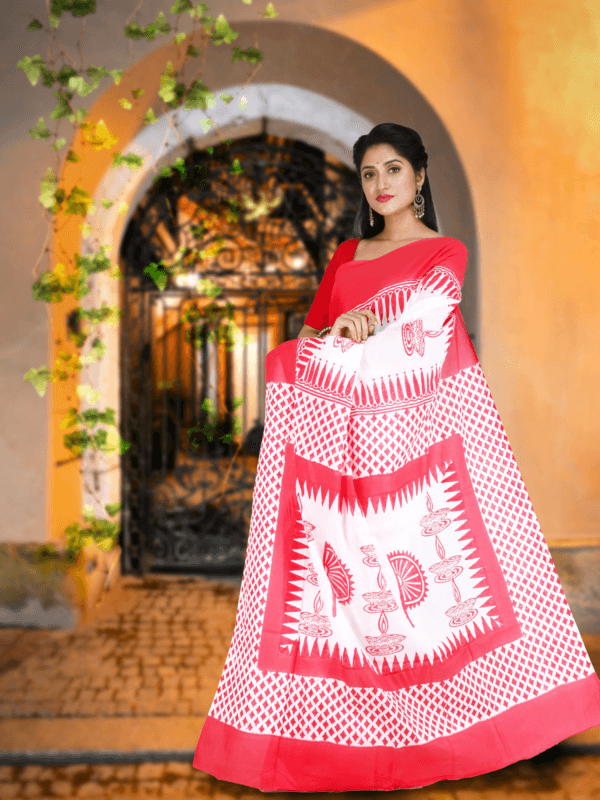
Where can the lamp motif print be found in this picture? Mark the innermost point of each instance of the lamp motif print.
(447, 569)
(381, 602)
(413, 336)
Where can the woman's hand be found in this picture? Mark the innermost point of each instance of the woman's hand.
(357, 325)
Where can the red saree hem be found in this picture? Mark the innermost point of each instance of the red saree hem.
(270, 763)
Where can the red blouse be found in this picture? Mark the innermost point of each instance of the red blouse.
(414, 260)
(318, 315)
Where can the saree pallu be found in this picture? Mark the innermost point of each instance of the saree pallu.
(400, 619)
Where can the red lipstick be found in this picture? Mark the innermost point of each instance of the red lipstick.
(383, 197)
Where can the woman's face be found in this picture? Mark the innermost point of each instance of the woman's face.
(385, 172)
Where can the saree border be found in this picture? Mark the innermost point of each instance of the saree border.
(277, 763)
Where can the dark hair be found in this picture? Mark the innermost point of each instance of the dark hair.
(409, 145)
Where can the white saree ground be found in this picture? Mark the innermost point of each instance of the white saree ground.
(400, 619)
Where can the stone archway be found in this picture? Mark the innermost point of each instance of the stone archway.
(325, 90)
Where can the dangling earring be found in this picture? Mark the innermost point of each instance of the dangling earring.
(371, 222)
(419, 204)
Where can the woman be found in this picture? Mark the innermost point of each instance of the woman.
(400, 619)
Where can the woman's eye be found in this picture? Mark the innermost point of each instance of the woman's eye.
(368, 174)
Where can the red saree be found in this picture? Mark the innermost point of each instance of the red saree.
(400, 620)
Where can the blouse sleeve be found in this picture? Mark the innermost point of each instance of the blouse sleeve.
(318, 316)
(454, 258)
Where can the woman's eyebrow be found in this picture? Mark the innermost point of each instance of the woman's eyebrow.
(385, 162)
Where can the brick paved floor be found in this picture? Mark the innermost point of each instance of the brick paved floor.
(162, 653)
(551, 776)
(157, 646)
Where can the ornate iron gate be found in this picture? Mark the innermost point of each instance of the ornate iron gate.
(255, 221)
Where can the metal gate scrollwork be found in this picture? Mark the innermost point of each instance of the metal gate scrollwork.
(245, 233)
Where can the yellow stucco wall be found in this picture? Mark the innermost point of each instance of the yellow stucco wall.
(517, 86)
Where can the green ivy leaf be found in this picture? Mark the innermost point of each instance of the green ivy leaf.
(71, 418)
(206, 124)
(226, 98)
(199, 96)
(116, 75)
(77, 442)
(179, 165)
(164, 172)
(78, 8)
(96, 353)
(236, 167)
(64, 74)
(35, 25)
(207, 287)
(81, 114)
(125, 103)
(223, 32)
(39, 131)
(160, 25)
(270, 11)
(59, 143)
(134, 31)
(58, 6)
(193, 51)
(179, 38)
(62, 109)
(180, 6)
(78, 202)
(98, 262)
(48, 288)
(112, 509)
(168, 83)
(251, 54)
(106, 203)
(39, 379)
(33, 68)
(130, 159)
(53, 21)
(48, 186)
(137, 93)
(150, 117)
(73, 157)
(78, 84)
(159, 277)
(96, 74)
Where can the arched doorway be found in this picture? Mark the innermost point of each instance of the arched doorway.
(326, 102)
(193, 354)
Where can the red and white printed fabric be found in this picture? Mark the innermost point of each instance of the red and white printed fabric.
(400, 619)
